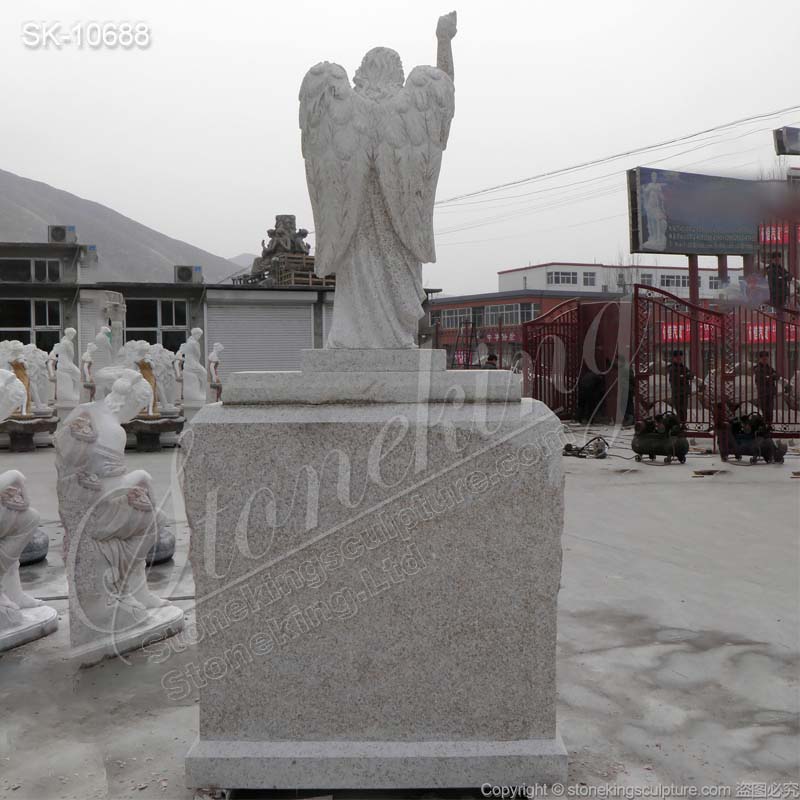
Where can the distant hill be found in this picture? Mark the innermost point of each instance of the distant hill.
(127, 250)
(243, 259)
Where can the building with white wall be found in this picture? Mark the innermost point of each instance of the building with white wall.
(581, 278)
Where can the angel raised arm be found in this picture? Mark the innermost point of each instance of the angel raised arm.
(373, 154)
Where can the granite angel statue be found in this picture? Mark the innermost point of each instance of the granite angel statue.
(372, 156)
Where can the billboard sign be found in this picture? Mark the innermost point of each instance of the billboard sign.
(690, 214)
(787, 141)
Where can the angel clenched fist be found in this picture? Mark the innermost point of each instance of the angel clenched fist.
(373, 155)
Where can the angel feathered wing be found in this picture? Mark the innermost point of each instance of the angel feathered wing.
(334, 122)
(344, 135)
(411, 136)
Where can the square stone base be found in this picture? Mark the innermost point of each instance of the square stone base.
(374, 765)
(376, 581)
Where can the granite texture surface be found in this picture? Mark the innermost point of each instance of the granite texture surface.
(321, 388)
(381, 573)
(377, 360)
(379, 765)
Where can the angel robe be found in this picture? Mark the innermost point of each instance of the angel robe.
(372, 168)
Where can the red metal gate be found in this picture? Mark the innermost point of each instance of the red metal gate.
(740, 360)
(679, 359)
(768, 383)
(552, 359)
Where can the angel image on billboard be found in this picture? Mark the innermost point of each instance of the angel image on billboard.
(655, 214)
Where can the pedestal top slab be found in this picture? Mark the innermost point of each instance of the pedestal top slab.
(318, 388)
(379, 360)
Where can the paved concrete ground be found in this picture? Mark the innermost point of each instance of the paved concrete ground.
(679, 641)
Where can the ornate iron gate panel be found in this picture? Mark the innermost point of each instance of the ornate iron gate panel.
(678, 361)
(771, 388)
(552, 360)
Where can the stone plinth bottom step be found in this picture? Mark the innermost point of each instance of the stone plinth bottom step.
(374, 765)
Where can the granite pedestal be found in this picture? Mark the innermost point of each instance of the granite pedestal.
(376, 578)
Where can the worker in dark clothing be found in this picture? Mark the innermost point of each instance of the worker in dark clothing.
(778, 281)
(591, 389)
(491, 361)
(766, 379)
(680, 381)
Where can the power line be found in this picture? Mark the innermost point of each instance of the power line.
(606, 159)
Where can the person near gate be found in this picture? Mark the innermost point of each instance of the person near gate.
(778, 280)
(766, 380)
(680, 381)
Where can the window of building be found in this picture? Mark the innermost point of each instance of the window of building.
(589, 278)
(15, 270)
(646, 278)
(23, 270)
(508, 314)
(46, 270)
(675, 281)
(31, 321)
(455, 317)
(561, 278)
(715, 282)
(156, 321)
(525, 312)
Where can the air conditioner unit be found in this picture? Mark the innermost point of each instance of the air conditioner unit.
(188, 274)
(88, 256)
(62, 234)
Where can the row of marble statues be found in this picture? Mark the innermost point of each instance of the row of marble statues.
(110, 521)
(165, 371)
(53, 378)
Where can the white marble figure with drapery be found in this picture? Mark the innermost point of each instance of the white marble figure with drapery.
(373, 155)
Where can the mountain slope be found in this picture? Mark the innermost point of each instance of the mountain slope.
(244, 259)
(127, 249)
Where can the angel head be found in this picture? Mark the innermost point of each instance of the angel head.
(129, 394)
(380, 74)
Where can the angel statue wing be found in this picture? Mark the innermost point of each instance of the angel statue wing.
(334, 121)
(412, 134)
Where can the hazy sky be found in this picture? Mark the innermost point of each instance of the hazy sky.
(197, 135)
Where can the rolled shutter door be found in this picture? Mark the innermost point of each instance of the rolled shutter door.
(259, 337)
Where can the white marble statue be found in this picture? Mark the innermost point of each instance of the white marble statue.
(36, 364)
(194, 373)
(103, 352)
(13, 360)
(373, 155)
(22, 617)
(13, 394)
(166, 383)
(110, 521)
(214, 379)
(137, 355)
(68, 376)
(87, 363)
